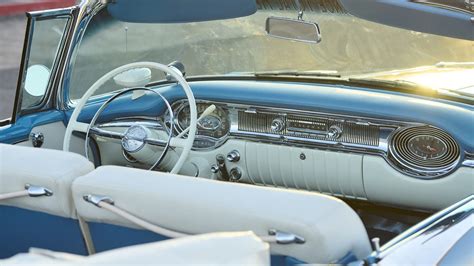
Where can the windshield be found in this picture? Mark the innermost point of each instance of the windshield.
(349, 46)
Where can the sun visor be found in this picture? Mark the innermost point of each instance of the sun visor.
(179, 11)
(453, 18)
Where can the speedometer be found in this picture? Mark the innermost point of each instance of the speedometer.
(210, 129)
(210, 122)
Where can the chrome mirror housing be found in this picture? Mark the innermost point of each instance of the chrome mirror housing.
(293, 29)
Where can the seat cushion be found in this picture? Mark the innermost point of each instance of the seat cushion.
(41, 167)
(330, 227)
(238, 248)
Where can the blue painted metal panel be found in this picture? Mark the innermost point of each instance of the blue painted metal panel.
(21, 229)
(107, 237)
(456, 118)
(21, 129)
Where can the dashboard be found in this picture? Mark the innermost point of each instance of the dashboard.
(415, 149)
(370, 145)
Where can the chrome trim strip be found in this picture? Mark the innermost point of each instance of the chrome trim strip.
(468, 160)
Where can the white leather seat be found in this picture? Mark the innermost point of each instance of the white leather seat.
(331, 228)
(238, 248)
(52, 169)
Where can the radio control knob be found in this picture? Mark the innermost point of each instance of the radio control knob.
(278, 124)
(233, 156)
(334, 132)
(235, 174)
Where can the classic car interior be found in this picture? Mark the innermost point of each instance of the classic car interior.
(329, 159)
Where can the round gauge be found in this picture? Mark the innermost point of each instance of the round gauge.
(213, 126)
(427, 147)
(210, 122)
(424, 151)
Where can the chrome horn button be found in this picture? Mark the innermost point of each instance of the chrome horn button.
(134, 138)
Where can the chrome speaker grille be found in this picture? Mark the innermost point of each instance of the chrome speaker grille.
(401, 147)
(351, 132)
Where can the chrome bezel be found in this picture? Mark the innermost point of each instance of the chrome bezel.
(179, 105)
(128, 134)
(416, 170)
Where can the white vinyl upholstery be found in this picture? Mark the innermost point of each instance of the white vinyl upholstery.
(195, 206)
(238, 248)
(52, 169)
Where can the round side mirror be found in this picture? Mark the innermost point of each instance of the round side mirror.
(37, 78)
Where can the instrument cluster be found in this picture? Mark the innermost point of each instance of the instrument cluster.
(212, 129)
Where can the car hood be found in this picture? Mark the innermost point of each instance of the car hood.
(457, 77)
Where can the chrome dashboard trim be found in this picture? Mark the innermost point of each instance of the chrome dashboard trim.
(386, 130)
(468, 160)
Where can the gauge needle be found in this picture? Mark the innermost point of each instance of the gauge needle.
(430, 148)
(206, 112)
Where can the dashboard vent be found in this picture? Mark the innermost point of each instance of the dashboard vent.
(425, 149)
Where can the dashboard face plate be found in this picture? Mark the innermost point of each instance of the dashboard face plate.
(428, 154)
(212, 129)
(427, 147)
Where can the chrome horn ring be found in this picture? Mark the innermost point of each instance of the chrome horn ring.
(126, 135)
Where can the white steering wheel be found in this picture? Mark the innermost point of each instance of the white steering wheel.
(186, 144)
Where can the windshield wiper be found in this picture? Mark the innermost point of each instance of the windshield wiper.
(394, 84)
(295, 73)
(455, 64)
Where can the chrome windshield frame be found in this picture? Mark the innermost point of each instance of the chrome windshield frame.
(83, 14)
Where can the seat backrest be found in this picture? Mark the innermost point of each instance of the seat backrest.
(51, 169)
(331, 229)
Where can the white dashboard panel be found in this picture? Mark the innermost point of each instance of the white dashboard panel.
(335, 173)
(385, 185)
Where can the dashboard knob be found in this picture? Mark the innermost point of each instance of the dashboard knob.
(235, 174)
(215, 169)
(233, 156)
(334, 132)
(278, 124)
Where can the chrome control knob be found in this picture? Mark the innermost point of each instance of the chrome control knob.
(233, 156)
(334, 132)
(215, 169)
(235, 174)
(278, 124)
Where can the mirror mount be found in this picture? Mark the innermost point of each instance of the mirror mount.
(300, 10)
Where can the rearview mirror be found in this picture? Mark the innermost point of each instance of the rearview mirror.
(293, 29)
(136, 77)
